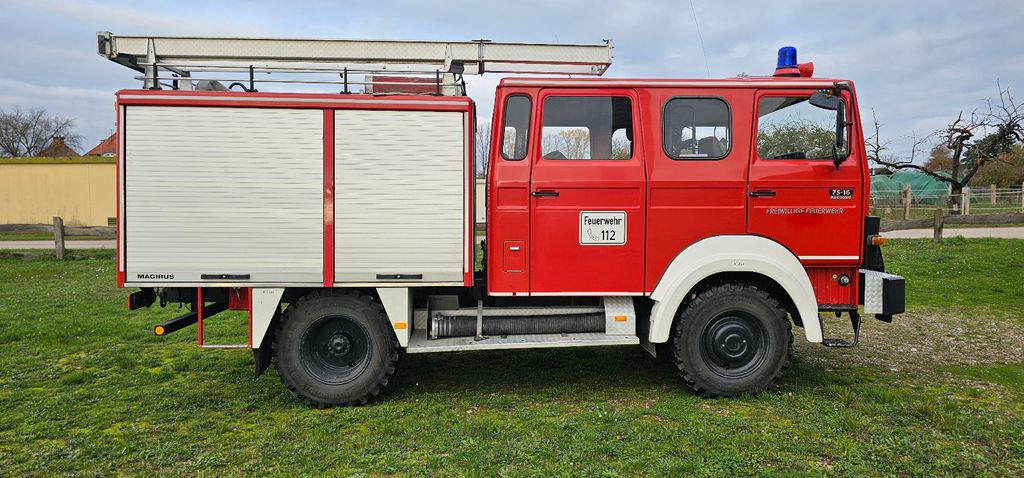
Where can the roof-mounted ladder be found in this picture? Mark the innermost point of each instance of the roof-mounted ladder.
(167, 61)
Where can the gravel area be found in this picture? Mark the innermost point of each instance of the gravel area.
(923, 339)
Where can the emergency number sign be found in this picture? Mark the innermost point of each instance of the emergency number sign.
(602, 228)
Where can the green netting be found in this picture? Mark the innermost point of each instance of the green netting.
(884, 186)
(924, 189)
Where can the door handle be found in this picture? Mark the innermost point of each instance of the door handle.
(224, 276)
(544, 194)
(762, 194)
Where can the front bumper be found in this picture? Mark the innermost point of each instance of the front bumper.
(882, 294)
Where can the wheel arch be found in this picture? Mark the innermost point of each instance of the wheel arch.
(270, 303)
(334, 384)
(750, 258)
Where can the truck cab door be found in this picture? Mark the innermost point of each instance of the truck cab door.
(587, 194)
(796, 194)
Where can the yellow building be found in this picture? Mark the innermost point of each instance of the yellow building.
(78, 189)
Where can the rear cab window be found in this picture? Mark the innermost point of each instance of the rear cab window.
(696, 128)
(515, 133)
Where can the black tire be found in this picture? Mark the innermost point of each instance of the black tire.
(732, 339)
(335, 349)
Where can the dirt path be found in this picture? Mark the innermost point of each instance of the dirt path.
(76, 244)
(970, 232)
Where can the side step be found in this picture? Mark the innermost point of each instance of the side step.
(843, 344)
(419, 343)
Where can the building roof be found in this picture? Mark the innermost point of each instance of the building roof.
(57, 148)
(107, 147)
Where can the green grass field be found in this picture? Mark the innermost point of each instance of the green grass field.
(86, 389)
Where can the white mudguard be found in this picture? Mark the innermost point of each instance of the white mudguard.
(732, 254)
(265, 303)
(397, 303)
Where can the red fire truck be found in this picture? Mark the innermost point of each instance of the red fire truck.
(699, 219)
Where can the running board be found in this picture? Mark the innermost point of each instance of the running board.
(419, 343)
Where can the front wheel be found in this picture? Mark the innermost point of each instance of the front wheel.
(732, 339)
(335, 349)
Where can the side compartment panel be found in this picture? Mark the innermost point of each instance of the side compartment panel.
(234, 193)
(399, 212)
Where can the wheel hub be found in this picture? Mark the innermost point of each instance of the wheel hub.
(339, 344)
(733, 341)
(335, 350)
(734, 344)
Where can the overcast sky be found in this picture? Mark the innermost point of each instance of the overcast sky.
(916, 63)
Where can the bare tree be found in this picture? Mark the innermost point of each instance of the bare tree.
(29, 132)
(622, 148)
(482, 144)
(570, 143)
(999, 127)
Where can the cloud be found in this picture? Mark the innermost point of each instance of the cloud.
(91, 109)
(159, 21)
(915, 63)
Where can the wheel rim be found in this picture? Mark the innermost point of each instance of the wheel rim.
(335, 350)
(734, 344)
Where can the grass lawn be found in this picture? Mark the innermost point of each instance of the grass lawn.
(86, 389)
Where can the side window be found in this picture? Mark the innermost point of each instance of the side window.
(789, 127)
(696, 128)
(587, 127)
(516, 132)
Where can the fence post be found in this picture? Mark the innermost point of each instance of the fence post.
(1022, 196)
(965, 198)
(58, 237)
(992, 194)
(937, 233)
(906, 202)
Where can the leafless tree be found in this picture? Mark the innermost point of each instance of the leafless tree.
(482, 144)
(572, 143)
(29, 132)
(998, 127)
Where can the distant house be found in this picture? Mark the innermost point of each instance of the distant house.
(107, 147)
(57, 149)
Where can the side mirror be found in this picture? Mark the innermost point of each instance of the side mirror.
(826, 100)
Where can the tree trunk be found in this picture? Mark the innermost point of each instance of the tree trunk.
(953, 202)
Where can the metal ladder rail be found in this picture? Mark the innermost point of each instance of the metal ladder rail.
(183, 56)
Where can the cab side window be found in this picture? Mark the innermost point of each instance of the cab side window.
(587, 127)
(789, 127)
(515, 133)
(696, 128)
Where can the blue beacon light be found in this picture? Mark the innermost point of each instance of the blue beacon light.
(787, 57)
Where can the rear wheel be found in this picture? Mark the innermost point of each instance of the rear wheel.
(732, 339)
(335, 349)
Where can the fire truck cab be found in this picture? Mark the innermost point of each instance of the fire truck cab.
(700, 219)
